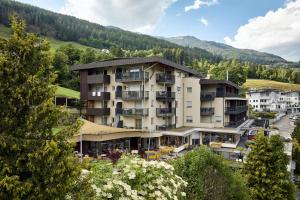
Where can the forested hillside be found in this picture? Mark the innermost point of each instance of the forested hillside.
(226, 51)
(67, 28)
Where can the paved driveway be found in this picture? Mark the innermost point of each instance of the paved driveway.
(285, 126)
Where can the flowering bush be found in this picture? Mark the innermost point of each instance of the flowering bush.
(136, 178)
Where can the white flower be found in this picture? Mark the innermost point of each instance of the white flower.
(183, 194)
(131, 175)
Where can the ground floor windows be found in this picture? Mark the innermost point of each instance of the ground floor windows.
(219, 137)
(175, 141)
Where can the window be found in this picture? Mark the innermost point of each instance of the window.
(189, 119)
(113, 120)
(152, 103)
(113, 103)
(188, 104)
(152, 120)
(189, 89)
(178, 89)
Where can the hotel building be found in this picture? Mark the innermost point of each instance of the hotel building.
(170, 104)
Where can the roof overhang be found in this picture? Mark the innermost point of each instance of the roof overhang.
(134, 61)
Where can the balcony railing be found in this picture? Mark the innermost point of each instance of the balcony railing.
(98, 78)
(132, 76)
(208, 96)
(235, 109)
(135, 95)
(164, 78)
(165, 95)
(234, 123)
(226, 94)
(165, 112)
(135, 111)
(98, 111)
(99, 96)
(165, 127)
(207, 111)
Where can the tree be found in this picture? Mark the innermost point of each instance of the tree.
(208, 177)
(35, 162)
(296, 147)
(88, 56)
(266, 170)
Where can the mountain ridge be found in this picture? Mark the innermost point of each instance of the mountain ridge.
(226, 51)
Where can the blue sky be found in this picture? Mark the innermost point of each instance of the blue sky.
(266, 25)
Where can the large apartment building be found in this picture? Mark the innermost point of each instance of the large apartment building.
(170, 101)
(274, 100)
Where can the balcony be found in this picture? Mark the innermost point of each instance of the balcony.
(227, 94)
(208, 96)
(165, 96)
(135, 112)
(165, 127)
(98, 111)
(235, 110)
(207, 111)
(98, 96)
(164, 78)
(165, 112)
(132, 76)
(234, 124)
(98, 78)
(135, 95)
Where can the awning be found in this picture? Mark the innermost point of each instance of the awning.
(95, 132)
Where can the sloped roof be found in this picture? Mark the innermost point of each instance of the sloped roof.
(133, 61)
(211, 81)
(96, 132)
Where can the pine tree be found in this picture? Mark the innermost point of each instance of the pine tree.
(35, 162)
(266, 170)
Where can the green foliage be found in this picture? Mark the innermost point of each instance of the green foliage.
(296, 147)
(208, 177)
(35, 163)
(136, 178)
(236, 72)
(67, 28)
(264, 115)
(266, 170)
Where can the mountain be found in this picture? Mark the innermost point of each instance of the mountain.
(71, 29)
(226, 51)
(68, 28)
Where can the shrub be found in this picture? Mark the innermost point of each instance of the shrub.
(135, 178)
(209, 177)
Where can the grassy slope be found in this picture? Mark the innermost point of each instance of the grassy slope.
(261, 83)
(55, 44)
(65, 92)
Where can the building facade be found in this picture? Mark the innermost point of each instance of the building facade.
(161, 97)
(274, 100)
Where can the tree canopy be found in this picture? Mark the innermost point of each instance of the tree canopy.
(35, 162)
(266, 170)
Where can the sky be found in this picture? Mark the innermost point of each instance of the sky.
(271, 26)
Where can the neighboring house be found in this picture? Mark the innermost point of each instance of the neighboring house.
(169, 102)
(274, 100)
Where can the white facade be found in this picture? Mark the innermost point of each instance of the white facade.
(274, 100)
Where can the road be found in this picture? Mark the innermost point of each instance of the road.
(285, 126)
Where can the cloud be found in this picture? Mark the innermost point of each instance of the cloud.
(204, 21)
(277, 32)
(199, 4)
(134, 15)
